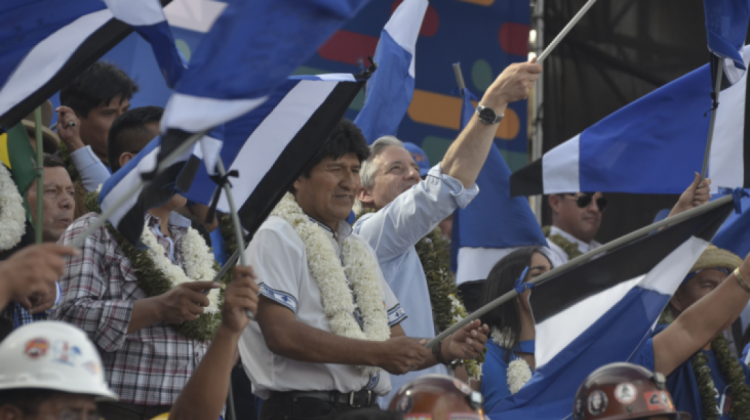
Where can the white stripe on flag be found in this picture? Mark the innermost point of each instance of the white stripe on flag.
(209, 151)
(193, 113)
(404, 28)
(137, 12)
(147, 164)
(47, 58)
(340, 77)
(476, 263)
(268, 141)
(195, 15)
(560, 168)
(726, 161)
(557, 332)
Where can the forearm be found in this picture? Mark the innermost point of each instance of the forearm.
(92, 170)
(204, 395)
(145, 314)
(295, 340)
(699, 324)
(466, 156)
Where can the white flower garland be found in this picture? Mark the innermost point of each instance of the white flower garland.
(333, 280)
(518, 371)
(12, 213)
(197, 258)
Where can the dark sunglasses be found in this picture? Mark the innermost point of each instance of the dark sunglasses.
(584, 200)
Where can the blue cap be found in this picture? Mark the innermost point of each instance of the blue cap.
(420, 157)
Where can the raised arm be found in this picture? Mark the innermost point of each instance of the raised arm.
(204, 395)
(466, 156)
(697, 193)
(701, 322)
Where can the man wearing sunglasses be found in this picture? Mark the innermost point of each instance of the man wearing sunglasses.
(576, 218)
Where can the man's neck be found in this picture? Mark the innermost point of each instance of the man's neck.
(163, 215)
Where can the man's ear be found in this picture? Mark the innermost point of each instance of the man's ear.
(554, 202)
(125, 158)
(365, 197)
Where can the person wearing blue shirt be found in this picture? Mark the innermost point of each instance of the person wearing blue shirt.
(509, 362)
(704, 379)
(407, 208)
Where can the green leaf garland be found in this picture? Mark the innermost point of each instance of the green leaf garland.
(567, 246)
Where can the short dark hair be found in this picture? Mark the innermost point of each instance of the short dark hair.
(98, 84)
(129, 133)
(52, 161)
(27, 400)
(501, 280)
(346, 138)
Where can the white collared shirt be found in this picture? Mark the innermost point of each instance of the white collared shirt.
(558, 255)
(278, 256)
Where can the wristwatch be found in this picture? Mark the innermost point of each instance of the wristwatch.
(488, 115)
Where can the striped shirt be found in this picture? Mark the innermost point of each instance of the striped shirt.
(151, 365)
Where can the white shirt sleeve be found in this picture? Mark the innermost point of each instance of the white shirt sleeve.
(92, 170)
(396, 314)
(277, 255)
(395, 228)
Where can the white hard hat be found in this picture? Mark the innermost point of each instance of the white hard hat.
(52, 355)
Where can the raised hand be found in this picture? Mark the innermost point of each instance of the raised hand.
(698, 193)
(69, 128)
(32, 272)
(241, 295)
(513, 84)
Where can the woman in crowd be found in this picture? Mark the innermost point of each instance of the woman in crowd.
(509, 363)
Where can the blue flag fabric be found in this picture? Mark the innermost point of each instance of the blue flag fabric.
(601, 312)
(661, 136)
(390, 90)
(147, 18)
(267, 148)
(129, 216)
(726, 29)
(251, 48)
(733, 235)
(493, 223)
(49, 32)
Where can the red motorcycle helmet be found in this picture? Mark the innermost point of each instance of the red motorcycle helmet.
(438, 397)
(621, 391)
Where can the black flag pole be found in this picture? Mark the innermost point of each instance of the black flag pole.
(714, 109)
(580, 260)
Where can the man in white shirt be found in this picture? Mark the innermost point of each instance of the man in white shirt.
(328, 330)
(576, 218)
(408, 208)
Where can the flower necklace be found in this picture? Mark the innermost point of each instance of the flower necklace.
(518, 371)
(359, 269)
(567, 246)
(157, 274)
(12, 213)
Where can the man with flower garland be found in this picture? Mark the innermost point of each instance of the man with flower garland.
(150, 339)
(328, 330)
(703, 377)
(408, 208)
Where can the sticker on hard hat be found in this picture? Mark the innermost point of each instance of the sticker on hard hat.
(65, 353)
(92, 367)
(464, 416)
(36, 348)
(658, 400)
(597, 403)
(579, 407)
(625, 393)
(418, 416)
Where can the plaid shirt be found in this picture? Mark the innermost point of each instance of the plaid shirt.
(149, 366)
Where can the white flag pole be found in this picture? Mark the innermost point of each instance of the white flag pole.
(717, 88)
(565, 30)
(580, 260)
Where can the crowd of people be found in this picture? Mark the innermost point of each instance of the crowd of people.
(341, 311)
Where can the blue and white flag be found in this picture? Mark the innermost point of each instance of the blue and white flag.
(726, 30)
(267, 148)
(128, 218)
(46, 43)
(147, 18)
(734, 235)
(601, 312)
(493, 224)
(251, 49)
(390, 90)
(654, 145)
